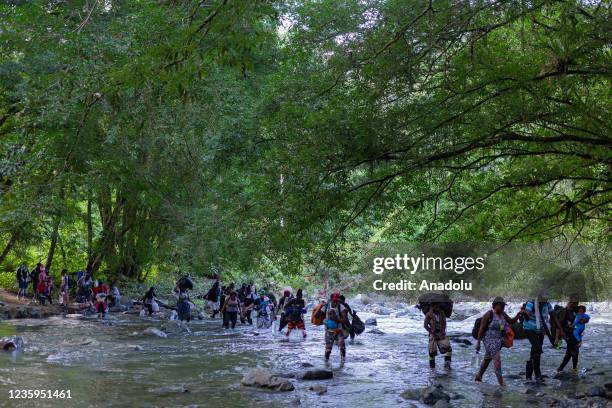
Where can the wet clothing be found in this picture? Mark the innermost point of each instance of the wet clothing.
(184, 306)
(535, 328)
(148, 300)
(435, 323)
(567, 318)
(335, 332)
(230, 313)
(264, 309)
(537, 323)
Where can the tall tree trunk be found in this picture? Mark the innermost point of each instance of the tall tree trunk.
(55, 233)
(89, 231)
(9, 245)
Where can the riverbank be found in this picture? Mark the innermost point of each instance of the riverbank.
(11, 307)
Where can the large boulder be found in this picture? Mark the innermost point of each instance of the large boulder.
(264, 379)
(317, 374)
(371, 322)
(381, 310)
(433, 394)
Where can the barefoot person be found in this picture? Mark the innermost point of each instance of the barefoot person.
(493, 328)
(435, 324)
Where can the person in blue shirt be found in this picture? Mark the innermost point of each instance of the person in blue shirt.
(580, 323)
(537, 316)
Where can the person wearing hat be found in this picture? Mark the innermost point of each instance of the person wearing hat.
(336, 323)
(566, 318)
(493, 328)
(538, 313)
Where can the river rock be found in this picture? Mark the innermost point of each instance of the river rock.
(317, 374)
(401, 313)
(319, 389)
(363, 299)
(595, 391)
(411, 394)
(265, 379)
(434, 394)
(307, 365)
(441, 404)
(152, 331)
(381, 310)
(172, 389)
(461, 341)
(89, 342)
(135, 347)
(376, 331)
(371, 322)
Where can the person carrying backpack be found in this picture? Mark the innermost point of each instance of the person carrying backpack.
(538, 313)
(435, 324)
(494, 326)
(566, 319)
(336, 326)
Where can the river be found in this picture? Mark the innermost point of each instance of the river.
(110, 363)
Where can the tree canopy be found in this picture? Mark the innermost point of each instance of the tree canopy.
(281, 136)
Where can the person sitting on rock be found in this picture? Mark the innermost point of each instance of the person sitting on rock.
(435, 324)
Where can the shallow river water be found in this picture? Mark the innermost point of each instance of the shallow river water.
(99, 363)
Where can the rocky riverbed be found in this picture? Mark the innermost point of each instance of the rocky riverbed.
(128, 360)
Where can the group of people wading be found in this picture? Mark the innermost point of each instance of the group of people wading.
(537, 320)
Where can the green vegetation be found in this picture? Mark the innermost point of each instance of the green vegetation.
(276, 138)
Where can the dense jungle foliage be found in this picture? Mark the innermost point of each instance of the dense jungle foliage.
(278, 137)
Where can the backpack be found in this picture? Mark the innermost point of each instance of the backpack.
(317, 317)
(357, 324)
(476, 328)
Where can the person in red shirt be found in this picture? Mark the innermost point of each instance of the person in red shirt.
(101, 291)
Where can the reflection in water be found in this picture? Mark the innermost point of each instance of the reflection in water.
(102, 364)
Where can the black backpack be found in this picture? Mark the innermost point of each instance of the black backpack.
(476, 327)
(357, 324)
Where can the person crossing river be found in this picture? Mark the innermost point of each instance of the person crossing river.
(336, 326)
(294, 313)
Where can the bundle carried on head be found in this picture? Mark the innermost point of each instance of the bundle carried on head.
(427, 300)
